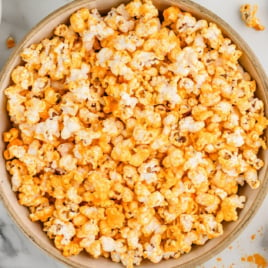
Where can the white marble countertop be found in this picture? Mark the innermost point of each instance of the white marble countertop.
(16, 251)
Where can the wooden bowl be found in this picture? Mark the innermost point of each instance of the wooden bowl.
(199, 254)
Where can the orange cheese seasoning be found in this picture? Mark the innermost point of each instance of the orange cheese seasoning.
(257, 259)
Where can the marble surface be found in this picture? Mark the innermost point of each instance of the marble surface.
(16, 251)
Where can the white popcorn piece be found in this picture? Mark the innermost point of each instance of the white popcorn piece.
(108, 243)
(189, 124)
(186, 221)
(71, 125)
(49, 129)
(236, 138)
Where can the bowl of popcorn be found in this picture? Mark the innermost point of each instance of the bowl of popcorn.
(133, 133)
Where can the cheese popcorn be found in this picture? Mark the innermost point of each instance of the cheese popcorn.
(248, 15)
(132, 133)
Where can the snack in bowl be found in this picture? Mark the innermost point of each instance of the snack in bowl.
(132, 134)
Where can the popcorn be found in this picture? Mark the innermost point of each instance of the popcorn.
(115, 218)
(104, 55)
(175, 158)
(60, 228)
(188, 124)
(16, 180)
(251, 178)
(128, 101)
(142, 130)
(196, 158)
(229, 206)
(185, 62)
(146, 28)
(71, 125)
(118, 65)
(236, 138)
(198, 176)
(143, 135)
(142, 60)
(168, 93)
(33, 109)
(148, 171)
(213, 35)
(10, 42)
(79, 20)
(48, 130)
(186, 222)
(210, 202)
(156, 199)
(214, 229)
(22, 77)
(79, 74)
(248, 15)
(94, 249)
(67, 162)
(108, 243)
(128, 42)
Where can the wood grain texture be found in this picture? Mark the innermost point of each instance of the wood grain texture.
(198, 254)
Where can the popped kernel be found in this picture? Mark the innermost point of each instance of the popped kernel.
(248, 15)
(131, 135)
(10, 42)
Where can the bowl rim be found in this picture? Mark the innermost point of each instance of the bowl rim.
(227, 30)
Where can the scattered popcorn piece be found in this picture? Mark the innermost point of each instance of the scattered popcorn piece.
(248, 15)
(10, 42)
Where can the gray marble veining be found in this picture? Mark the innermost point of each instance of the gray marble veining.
(16, 251)
(6, 246)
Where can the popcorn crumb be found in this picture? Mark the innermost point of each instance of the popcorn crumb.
(10, 42)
